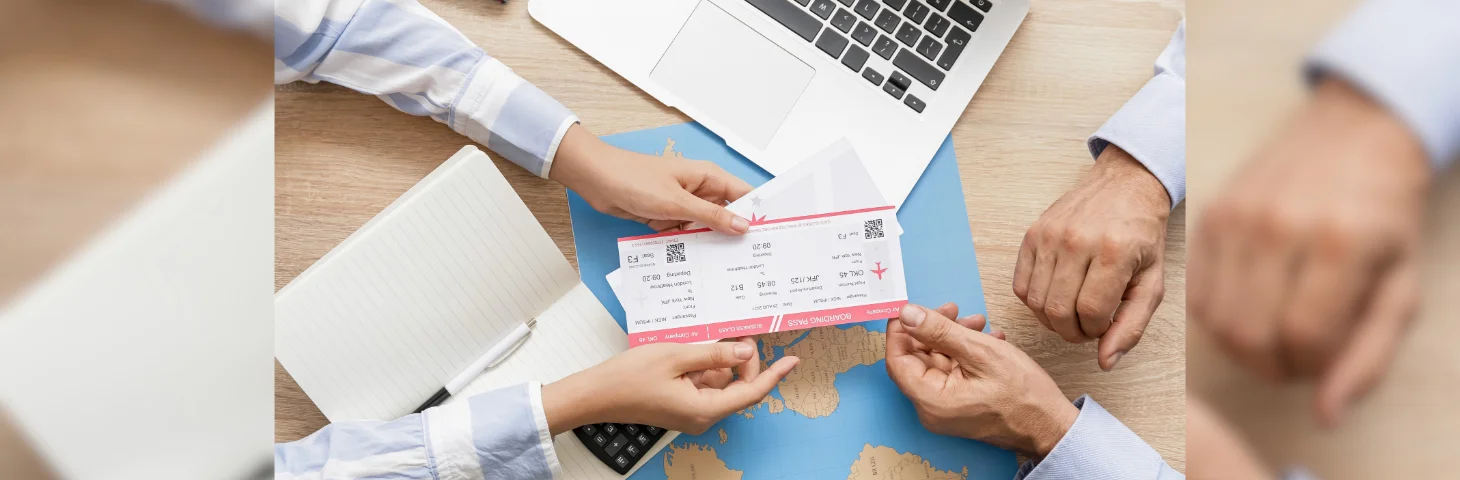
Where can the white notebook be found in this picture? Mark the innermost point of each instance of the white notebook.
(387, 317)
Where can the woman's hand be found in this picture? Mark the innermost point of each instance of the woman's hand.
(686, 388)
(664, 193)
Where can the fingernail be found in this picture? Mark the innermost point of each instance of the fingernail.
(911, 316)
(740, 224)
(1114, 359)
(743, 351)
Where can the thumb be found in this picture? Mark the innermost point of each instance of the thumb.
(742, 394)
(693, 358)
(939, 333)
(1129, 323)
(718, 218)
(1361, 363)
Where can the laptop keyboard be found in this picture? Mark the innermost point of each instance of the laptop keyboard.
(619, 445)
(922, 39)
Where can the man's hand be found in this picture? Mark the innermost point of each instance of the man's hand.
(972, 385)
(1307, 264)
(664, 193)
(679, 387)
(1090, 267)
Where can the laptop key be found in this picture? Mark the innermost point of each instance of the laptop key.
(844, 20)
(887, 21)
(845, 2)
(872, 76)
(900, 80)
(831, 43)
(924, 72)
(965, 15)
(867, 8)
(791, 16)
(929, 48)
(893, 90)
(864, 34)
(855, 58)
(957, 39)
(885, 47)
(823, 8)
(908, 34)
(939, 5)
(916, 11)
(913, 103)
(804, 2)
(937, 25)
(984, 5)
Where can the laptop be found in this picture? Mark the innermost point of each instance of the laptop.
(780, 80)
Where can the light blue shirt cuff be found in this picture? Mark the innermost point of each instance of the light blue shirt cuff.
(1151, 126)
(1099, 447)
(1406, 55)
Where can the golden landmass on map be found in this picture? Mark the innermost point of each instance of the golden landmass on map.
(723, 437)
(884, 463)
(669, 150)
(825, 353)
(697, 462)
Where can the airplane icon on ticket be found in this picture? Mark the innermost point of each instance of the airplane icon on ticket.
(879, 270)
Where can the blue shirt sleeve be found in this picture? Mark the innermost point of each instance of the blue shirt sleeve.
(419, 64)
(499, 434)
(1099, 447)
(1151, 126)
(1406, 55)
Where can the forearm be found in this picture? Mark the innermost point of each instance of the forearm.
(1099, 447)
(1406, 55)
(502, 433)
(1151, 126)
(419, 64)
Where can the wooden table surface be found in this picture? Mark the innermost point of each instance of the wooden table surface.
(342, 157)
(1244, 82)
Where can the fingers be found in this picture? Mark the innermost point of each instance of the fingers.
(941, 334)
(1040, 277)
(695, 209)
(741, 394)
(750, 368)
(1024, 268)
(1366, 357)
(974, 322)
(693, 358)
(1064, 289)
(1132, 317)
(1100, 294)
(1321, 313)
(721, 184)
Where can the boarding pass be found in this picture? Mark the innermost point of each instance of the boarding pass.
(785, 274)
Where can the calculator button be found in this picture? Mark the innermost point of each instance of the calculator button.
(633, 450)
(610, 428)
(616, 445)
(600, 439)
(589, 429)
(643, 439)
(621, 461)
(653, 430)
(632, 429)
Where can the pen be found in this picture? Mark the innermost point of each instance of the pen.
(493, 355)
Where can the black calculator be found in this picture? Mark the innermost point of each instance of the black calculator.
(619, 445)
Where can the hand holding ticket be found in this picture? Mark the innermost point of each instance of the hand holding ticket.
(785, 274)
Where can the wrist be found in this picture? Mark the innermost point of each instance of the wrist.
(573, 160)
(1120, 170)
(1344, 111)
(1056, 420)
(569, 403)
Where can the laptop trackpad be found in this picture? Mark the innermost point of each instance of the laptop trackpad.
(731, 74)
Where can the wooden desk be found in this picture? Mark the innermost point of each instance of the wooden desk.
(342, 157)
(1244, 84)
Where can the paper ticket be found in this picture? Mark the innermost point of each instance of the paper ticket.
(785, 274)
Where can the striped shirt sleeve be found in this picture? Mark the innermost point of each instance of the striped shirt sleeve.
(502, 434)
(416, 62)
(1151, 126)
(1099, 447)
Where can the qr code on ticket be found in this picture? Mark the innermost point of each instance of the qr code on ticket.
(872, 229)
(675, 252)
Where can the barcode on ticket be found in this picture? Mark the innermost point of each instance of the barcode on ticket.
(872, 229)
(675, 253)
